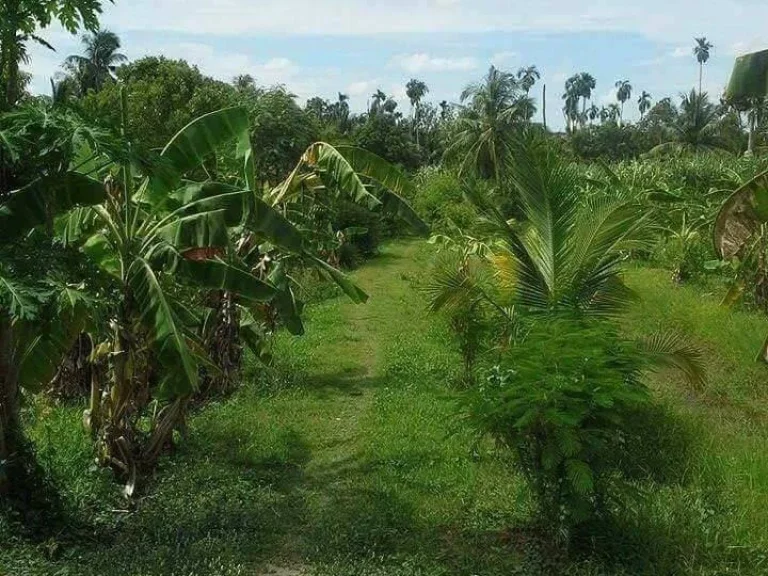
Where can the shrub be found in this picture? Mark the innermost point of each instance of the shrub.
(562, 401)
(439, 199)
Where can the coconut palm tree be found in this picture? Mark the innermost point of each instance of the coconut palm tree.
(623, 93)
(416, 90)
(694, 127)
(490, 111)
(100, 56)
(701, 51)
(644, 103)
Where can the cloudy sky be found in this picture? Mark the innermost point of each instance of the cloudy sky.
(321, 47)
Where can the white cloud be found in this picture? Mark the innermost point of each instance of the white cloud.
(682, 52)
(423, 62)
(504, 58)
(728, 21)
(363, 87)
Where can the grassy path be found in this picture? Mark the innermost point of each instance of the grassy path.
(348, 459)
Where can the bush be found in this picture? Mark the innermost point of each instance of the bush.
(562, 402)
(439, 199)
(362, 231)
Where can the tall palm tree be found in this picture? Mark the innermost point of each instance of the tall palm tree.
(416, 90)
(528, 77)
(644, 103)
(701, 51)
(585, 85)
(623, 93)
(379, 97)
(490, 110)
(100, 56)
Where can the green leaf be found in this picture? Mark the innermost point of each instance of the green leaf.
(395, 185)
(167, 338)
(275, 227)
(100, 251)
(45, 198)
(200, 139)
(749, 80)
(356, 294)
(741, 215)
(580, 476)
(218, 275)
(338, 175)
(288, 308)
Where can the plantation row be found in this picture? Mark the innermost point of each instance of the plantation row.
(158, 230)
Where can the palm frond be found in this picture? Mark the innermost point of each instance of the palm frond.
(673, 350)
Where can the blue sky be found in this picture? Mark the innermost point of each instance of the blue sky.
(321, 47)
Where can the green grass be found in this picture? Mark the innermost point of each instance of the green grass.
(347, 458)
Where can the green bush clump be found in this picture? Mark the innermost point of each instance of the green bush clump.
(440, 200)
(562, 401)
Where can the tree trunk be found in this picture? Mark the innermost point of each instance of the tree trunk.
(9, 404)
(701, 74)
(751, 142)
(544, 105)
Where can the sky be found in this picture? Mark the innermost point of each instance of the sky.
(322, 47)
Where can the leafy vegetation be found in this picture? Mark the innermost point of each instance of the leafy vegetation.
(559, 381)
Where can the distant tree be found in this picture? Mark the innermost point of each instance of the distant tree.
(416, 90)
(340, 111)
(164, 96)
(445, 110)
(487, 120)
(593, 112)
(528, 77)
(378, 98)
(92, 69)
(644, 103)
(19, 22)
(694, 127)
(701, 51)
(623, 93)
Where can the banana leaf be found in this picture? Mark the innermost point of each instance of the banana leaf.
(740, 216)
(45, 198)
(218, 275)
(749, 80)
(199, 140)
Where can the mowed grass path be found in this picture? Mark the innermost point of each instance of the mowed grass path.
(348, 458)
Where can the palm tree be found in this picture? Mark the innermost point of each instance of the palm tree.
(694, 127)
(379, 97)
(416, 90)
(593, 112)
(571, 111)
(490, 111)
(586, 83)
(568, 254)
(92, 69)
(613, 112)
(701, 51)
(644, 103)
(445, 110)
(623, 93)
(528, 77)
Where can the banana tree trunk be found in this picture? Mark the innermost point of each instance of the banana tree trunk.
(10, 429)
(751, 142)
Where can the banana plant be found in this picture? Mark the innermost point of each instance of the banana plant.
(741, 241)
(747, 89)
(284, 230)
(160, 237)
